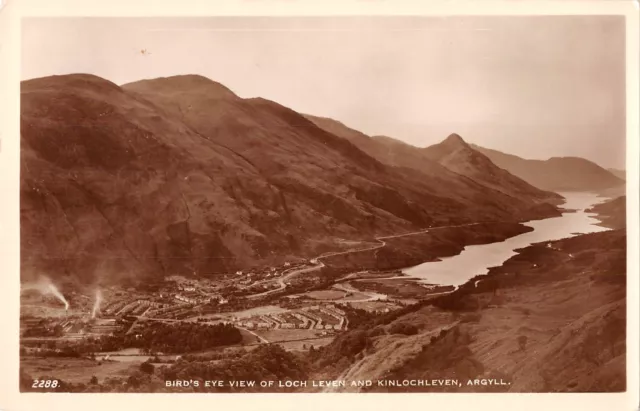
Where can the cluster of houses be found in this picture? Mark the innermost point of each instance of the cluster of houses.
(252, 278)
(187, 293)
(136, 307)
(193, 297)
(326, 317)
(104, 326)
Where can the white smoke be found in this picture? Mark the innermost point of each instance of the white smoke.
(46, 287)
(96, 304)
(59, 295)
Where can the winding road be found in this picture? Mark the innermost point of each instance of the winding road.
(262, 339)
(282, 280)
(346, 287)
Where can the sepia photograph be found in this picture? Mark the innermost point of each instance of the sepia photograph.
(323, 204)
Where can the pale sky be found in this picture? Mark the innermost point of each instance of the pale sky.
(536, 87)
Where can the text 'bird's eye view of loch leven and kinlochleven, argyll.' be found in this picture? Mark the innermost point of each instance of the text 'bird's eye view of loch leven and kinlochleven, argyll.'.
(323, 204)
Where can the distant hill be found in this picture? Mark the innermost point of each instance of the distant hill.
(556, 173)
(613, 192)
(179, 175)
(621, 174)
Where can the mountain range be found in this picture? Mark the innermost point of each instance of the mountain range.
(557, 173)
(453, 162)
(179, 175)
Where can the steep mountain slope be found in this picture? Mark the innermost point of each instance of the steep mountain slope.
(291, 152)
(247, 118)
(517, 195)
(110, 187)
(180, 175)
(456, 155)
(557, 173)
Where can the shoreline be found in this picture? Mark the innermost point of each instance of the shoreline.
(493, 273)
(601, 221)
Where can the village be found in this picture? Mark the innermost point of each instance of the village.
(183, 299)
(317, 317)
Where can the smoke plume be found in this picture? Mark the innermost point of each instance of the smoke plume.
(54, 290)
(46, 287)
(96, 304)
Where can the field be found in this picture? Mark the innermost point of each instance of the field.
(75, 369)
(354, 297)
(402, 288)
(374, 306)
(325, 294)
(305, 344)
(286, 335)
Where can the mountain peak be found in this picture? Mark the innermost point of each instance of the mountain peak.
(182, 83)
(78, 81)
(454, 139)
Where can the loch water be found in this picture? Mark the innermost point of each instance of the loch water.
(477, 259)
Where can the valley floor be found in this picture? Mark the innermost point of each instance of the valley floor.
(550, 319)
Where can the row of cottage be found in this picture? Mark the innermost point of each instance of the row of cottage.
(194, 298)
(122, 307)
(306, 317)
